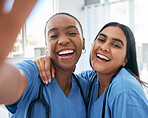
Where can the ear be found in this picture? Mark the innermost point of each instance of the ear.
(124, 62)
(83, 44)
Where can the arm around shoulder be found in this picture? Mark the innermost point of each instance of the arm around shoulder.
(13, 83)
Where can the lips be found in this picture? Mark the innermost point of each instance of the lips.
(66, 53)
(102, 57)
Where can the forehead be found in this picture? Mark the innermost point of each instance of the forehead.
(62, 21)
(114, 32)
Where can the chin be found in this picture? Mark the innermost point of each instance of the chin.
(67, 67)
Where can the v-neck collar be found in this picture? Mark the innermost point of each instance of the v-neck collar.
(73, 85)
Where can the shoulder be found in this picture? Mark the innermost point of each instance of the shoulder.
(29, 68)
(125, 82)
(83, 82)
(31, 71)
(88, 74)
(27, 65)
(32, 74)
(128, 105)
(127, 86)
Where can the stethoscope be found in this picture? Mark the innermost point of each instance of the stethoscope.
(104, 100)
(41, 100)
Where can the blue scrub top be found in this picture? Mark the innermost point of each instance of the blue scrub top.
(125, 97)
(60, 106)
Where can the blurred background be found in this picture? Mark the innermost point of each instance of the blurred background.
(92, 14)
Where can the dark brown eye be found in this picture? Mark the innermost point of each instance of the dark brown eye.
(53, 36)
(72, 34)
(101, 40)
(116, 45)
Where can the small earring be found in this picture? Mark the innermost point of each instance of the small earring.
(47, 53)
(84, 51)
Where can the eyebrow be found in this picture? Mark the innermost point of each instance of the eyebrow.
(71, 26)
(115, 39)
(55, 29)
(103, 35)
(52, 29)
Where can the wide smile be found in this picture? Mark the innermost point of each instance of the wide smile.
(66, 53)
(102, 57)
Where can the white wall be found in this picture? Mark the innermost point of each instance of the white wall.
(73, 7)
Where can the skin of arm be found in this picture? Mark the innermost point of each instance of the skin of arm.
(13, 83)
(11, 23)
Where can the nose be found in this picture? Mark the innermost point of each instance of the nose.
(63, 40)
(105, 47)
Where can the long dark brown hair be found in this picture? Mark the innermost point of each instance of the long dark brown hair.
(131, 56)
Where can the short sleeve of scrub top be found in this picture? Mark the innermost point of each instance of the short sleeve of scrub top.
(31, 91)
(125, 99)
(88, 75)
(71, 106)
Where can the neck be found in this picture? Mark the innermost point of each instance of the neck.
(103, 83)
(104, 80)
(64, 80)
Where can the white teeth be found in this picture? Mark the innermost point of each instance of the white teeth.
(103, 57)
(66, 52)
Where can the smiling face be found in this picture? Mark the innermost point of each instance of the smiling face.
(109, 51)
(64, 41)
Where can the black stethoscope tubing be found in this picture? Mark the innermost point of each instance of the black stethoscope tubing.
(104, 100)
(41, 100)
(40, 97)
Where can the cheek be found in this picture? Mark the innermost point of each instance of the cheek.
(119, 57)
(96, 45)
(50, 47)
(93, 47)
(79, 44)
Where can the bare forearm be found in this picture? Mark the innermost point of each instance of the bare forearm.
(13, 83)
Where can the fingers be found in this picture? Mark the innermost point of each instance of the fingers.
(42, 70)
(48, 68)
(52, 70)
(44, 65)
(40, 65)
